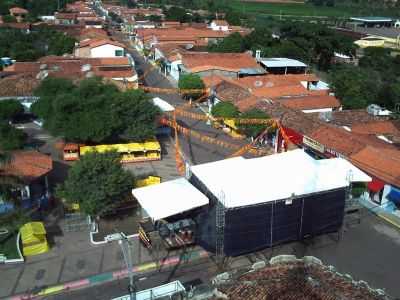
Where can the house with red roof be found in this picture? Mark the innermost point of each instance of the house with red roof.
(19, 13)
(28, 172)
(117, 70)
(99, 48)
(230, 65)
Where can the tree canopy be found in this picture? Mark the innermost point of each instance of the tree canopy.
(225, 110)
(375, 80)
(233, 43)
(40, 42)
(35, 7)
(253, 130)
(97, 182)
(311, 43)
(191, 82)
(94, 112)
(11, 138)
(9, 109)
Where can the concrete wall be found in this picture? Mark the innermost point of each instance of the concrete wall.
(217, 72)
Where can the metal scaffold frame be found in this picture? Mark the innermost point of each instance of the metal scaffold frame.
(220, 230)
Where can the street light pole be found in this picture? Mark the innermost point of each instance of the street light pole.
(125, 245)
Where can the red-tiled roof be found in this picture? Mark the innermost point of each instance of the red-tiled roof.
(234, 62)
(66, 15)
(344, 142)
(310, 102)
(381, 163)
(18, 10)
(93, 43)
(220, 23)
(293, 281)
(377, 127)
(75, 68)
(28, 165)
(18, 85)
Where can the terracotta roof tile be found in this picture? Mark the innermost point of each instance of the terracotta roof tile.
(18, 10)
(381, 163)
(221, 23)
(344, 142)
(310, 102)
(18, 85)
(234, 62)
(353, 117)
(28, 165)
(377, 128)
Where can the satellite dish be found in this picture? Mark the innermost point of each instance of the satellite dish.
(258, 83)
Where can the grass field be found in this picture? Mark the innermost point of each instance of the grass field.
(302, 9)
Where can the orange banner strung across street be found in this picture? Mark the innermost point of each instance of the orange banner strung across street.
(207, 139)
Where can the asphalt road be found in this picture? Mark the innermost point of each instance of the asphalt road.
(199, 271)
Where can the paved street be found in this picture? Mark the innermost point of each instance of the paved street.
(197, 152)
(367, 251)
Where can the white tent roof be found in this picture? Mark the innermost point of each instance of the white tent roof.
(240, 182)
(169, 198)
(163, 105)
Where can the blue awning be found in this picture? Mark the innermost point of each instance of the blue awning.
(394, 195)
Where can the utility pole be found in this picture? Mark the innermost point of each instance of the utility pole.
(125, 245)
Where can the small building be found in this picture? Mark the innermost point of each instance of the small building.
(100, 48)
(280, 65)
(19, 13)
(373, 21)
(231, 65)
(219, 25)
(271, 200)
(30, 169)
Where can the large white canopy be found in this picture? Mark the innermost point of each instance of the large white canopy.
(169, 198)
(240, 182)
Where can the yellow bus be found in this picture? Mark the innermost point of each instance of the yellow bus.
(130, 152)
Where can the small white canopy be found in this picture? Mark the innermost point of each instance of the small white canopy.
(163, 105)
(281, 62)
(241, 182)
(169, 198)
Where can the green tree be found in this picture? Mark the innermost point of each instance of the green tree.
(40, 42)
(11, 138)
(253, 130)
(191, 82)
(94, 112)
(355, 87)
(225, 110)
(9, 109)
(233, 43)
(234, 18)
(97, 182)
(9, 19)
(176, 13)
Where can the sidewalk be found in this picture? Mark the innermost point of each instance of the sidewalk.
(381, 212)
(109, 276)
(71, 257)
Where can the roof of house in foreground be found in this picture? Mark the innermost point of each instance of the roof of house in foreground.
(294, 279)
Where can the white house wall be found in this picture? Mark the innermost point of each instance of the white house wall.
(307, 111)
(105, 51)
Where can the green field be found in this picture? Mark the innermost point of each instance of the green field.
(301, 9)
